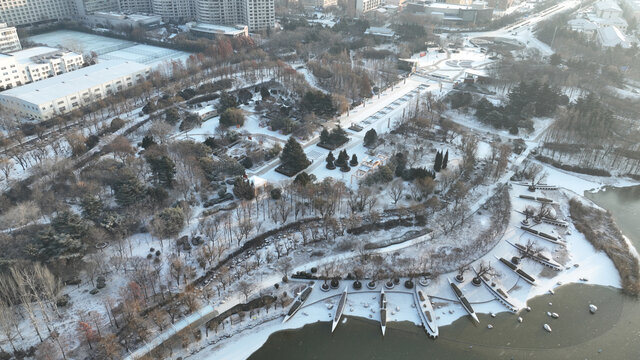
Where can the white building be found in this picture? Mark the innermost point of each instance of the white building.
(256, 14)
(607, 9)
(87, 7)
(27, 12)
(64, 93)
(174, 10)
(9, 40)
(583, 25)
(364, 6)
(211, 31)
(35, 64)
(611, 36)
(135, 6)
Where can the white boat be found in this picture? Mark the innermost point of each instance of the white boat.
(464, 302)
(526, 277)
(340, 308)
(383, 311)
(500, 293)
(298, 302)
(539, 257)
(427, 315)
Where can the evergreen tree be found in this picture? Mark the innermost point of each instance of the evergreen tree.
(370, 138)
(354, 160)
(445, 160)
(243, 188)
(293, 157)
(147, 141)
(303, 179)
(169, 222)
(324, 136)
(232, 117)
(92, 207)
(128, 190)
(68, 222)
(172, 116)
(438, 163)
(163, 169)
(226, 101)
(343, 157)
(330, 159)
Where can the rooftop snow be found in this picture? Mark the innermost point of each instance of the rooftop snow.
(50, 89)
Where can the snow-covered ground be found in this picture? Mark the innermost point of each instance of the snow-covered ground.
(581, 261)
(109, 48)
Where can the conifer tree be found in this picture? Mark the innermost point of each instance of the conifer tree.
(438, 163)
(445, 160)
(293, 157)
(354, 160)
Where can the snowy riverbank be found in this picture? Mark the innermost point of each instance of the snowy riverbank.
(580, 261)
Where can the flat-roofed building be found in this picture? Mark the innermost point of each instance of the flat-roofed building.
(212, 31)
(29, 12)
(64, 93)
(9, 40)
(35, 64)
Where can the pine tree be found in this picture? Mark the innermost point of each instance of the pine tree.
(330, 159)
(325, 138)
(438, 163)
(128, 190)
(147, 142)
(163, 169)
(445, 160)
(370, 138)
(354, 160)
(293, 157)
(343, 157)
(92, 207)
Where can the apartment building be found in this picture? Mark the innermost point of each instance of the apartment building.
(9, 40)
(135, 6)
(64, 93)
(175, 10)
(364, 6)
(36, 64)
(256, 14)
(27, 12)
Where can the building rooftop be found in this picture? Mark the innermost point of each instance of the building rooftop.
(607, 5)
(611, 36)
(31, 54)
(56, 87)
(217, 29)
(379, 31)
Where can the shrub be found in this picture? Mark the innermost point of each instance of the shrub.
(232, 117)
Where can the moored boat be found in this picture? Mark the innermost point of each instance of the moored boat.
(539, 257)
(383, 311)
(298, 302)
(426, 313)
(513, 267)
(464, 302)
(500, 293)
(340, 308)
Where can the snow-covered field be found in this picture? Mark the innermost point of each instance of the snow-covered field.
(109, 48)
(581, 261)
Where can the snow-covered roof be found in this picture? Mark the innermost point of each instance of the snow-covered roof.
(582, 25)
(27, 55)
(619, 22)
(56, 87)
(379, 31)
(218, 29)
(607, 5)
(611, 36)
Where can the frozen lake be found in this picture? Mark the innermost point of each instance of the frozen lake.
(109, 48)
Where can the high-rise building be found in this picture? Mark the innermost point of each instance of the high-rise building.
(27, 12)
(364, 6)
(135, 6)
(9, 40)
(257, 14)
(87, 7)
(174, 10)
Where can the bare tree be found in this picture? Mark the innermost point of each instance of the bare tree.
(284, 266)
(245, 288)
(395, 190)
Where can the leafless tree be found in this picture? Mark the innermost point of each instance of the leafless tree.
(395, 190)
(245, 288)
